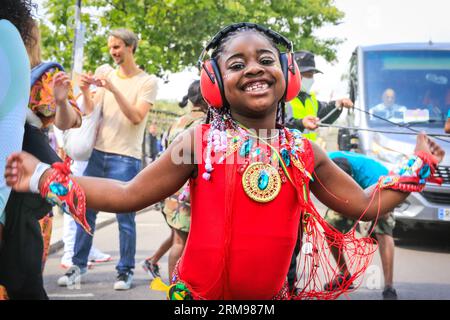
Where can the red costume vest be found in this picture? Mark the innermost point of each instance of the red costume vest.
(239, 248)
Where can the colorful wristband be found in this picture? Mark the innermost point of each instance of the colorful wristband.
(61, 190)
(412, 174)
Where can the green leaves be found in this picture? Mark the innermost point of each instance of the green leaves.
(173, 32)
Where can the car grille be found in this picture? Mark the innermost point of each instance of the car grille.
(444, 173)
(437, 197)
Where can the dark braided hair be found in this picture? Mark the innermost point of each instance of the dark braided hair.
(217, 53)
(221, 46)
(19, 13)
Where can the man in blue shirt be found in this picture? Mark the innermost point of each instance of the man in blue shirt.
(365, 171)
(388, 108)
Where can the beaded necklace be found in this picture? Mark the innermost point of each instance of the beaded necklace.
(262, 166)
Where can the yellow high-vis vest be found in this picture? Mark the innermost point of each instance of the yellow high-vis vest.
(300, 111)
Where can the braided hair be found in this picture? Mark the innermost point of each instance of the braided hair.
(217, 53)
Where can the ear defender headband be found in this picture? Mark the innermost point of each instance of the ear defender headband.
(211, 84)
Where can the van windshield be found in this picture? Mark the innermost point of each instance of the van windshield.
(407, 86)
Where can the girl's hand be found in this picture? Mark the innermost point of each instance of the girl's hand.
(424, 143)
(61, 87)
(20, 167)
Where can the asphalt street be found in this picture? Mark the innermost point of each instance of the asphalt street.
(422, 261)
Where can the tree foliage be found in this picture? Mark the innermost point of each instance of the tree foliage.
(173, 32)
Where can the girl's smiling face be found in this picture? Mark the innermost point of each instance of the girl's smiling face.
(252, 77)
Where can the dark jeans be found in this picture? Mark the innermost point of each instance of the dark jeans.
(123, 168)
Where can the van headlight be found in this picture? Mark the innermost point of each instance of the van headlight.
(386, 154)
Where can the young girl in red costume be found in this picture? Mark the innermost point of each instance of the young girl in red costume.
(250, 181)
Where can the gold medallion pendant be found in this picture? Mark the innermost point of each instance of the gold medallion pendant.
(261, 182)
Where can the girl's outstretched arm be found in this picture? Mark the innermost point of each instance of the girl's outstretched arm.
(352, 199)
(156, 182)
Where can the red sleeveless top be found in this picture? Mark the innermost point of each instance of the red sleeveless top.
(239, 248)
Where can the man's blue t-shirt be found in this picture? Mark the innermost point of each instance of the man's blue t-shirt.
(366, 170)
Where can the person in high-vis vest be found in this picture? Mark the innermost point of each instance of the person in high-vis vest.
(304, 111)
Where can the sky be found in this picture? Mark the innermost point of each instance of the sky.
(366, 22)
(369, 22)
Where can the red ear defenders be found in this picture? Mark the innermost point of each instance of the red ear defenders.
(211, 84)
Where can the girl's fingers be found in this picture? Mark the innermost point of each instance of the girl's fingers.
(423, 142)
(12, 164)
(12, 169)
(422, 137)
(7, 172)
(433, 146)
(436, 149)
(13, 157)
(11, 181)
(11, 174)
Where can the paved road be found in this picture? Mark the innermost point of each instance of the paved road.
(98, 282)
(421, 266)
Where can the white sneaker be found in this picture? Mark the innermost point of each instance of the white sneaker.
(71, 277)
(124, 281)
(96, 255)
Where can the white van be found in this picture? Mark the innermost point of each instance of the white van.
(418, 76)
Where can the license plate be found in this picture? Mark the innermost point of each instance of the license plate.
(444, 214)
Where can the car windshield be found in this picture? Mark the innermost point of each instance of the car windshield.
(407, 86)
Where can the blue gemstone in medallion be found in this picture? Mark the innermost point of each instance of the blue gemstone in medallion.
(263, 180)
